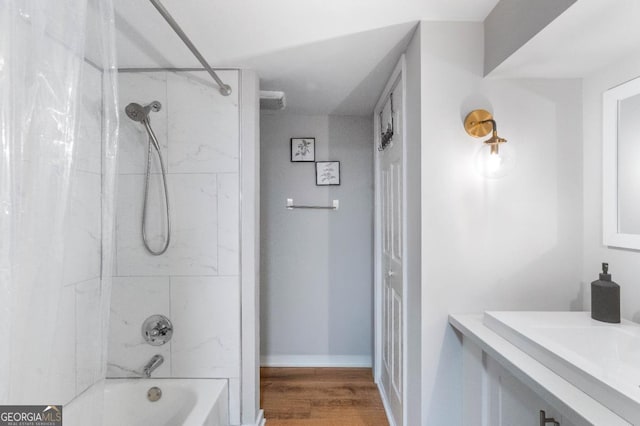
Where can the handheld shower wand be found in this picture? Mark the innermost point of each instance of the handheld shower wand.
(140, 113)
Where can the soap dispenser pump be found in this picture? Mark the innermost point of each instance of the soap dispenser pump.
(605, 298)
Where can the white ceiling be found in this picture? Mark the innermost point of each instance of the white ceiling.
(589, 35)
(328, 56)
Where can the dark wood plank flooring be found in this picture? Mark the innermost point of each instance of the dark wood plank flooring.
(320, 397)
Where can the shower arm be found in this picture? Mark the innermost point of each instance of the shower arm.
(225, 89)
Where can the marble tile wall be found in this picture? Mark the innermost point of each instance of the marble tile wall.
(196, 282)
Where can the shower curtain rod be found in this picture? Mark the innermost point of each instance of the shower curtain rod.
(225, 89)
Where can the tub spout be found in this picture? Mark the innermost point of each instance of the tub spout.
(155, 362)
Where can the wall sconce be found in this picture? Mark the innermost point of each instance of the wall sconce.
(494, 159)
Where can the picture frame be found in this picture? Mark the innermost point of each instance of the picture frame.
(327, 173)
(303, 150)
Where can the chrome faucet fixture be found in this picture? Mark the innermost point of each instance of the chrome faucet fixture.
(155, 362)
(157, 330)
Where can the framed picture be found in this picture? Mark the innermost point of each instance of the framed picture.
(303, 149)
(327, 173)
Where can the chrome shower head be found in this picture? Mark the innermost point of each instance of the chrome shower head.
(137, 112)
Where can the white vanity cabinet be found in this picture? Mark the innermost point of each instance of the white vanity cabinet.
(504, 386)
(511, 402)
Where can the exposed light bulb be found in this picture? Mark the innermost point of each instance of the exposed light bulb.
(494, 162)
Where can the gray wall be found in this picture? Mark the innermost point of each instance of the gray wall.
(316, 266)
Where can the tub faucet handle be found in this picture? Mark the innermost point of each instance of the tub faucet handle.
(161, 329)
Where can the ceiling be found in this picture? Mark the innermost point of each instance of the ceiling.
(328, 56)
(589, 35)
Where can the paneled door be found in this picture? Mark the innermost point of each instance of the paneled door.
(390, 194)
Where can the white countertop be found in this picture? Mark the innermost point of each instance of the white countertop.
(572, 401)
(601, 359)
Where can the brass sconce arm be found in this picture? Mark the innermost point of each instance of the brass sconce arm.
(494, 125)
(479, 123)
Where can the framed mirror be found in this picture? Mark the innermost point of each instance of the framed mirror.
(621, 165)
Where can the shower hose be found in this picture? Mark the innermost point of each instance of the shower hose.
(154, 141)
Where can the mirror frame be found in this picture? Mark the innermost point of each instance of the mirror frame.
(611, 235)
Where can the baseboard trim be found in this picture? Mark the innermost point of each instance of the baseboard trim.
(260, 420)
(385, 403)
(316, 361)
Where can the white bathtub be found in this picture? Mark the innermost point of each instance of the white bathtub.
(124, 402)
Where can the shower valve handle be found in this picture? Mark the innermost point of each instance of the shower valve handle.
(157, 330)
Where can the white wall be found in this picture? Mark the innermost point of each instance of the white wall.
(196, 283)
(413, 258)
(316, 266)
(623, 264)
(506, 31)
(250, 244)
(513, 243)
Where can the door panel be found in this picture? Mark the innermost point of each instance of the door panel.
(397, 345)
(392, 304)
(396, 194)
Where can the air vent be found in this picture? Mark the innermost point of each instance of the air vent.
(272, 100)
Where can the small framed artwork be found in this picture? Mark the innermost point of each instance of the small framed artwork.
(327, 173)
(303, 149)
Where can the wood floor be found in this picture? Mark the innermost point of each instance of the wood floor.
(320, 397)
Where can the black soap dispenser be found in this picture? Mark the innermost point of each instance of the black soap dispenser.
(605, 298)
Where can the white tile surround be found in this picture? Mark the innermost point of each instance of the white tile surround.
(196, 282)
(194, 247)
(203, 125)
(212, 304)
(134, 299)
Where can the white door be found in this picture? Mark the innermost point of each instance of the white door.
(391, 263)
